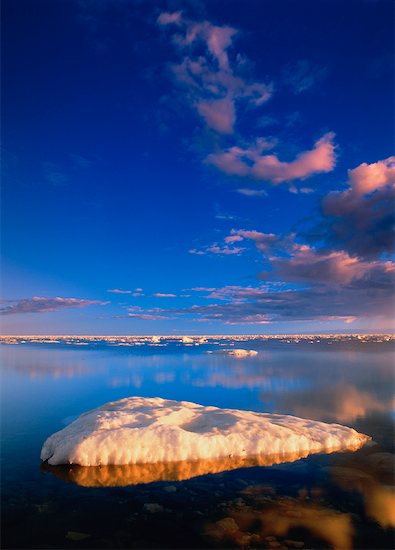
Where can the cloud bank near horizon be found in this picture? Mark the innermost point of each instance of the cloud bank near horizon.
(332, 280)
(39, 304)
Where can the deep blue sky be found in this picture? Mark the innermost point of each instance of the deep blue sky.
(139, 140)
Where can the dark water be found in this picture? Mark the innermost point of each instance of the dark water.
(342, 500)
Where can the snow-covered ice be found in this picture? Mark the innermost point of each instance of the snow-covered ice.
(235, 352)
(139, 430)
(241, 352)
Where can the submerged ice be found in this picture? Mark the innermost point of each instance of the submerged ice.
(139, 430)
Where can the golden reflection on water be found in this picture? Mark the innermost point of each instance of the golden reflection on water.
(260, 517)
(372, 475)
(133, 474)
(279, 518)
(341, 403)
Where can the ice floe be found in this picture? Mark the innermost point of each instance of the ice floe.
(139, 430)
(241, 352)
(235, 352)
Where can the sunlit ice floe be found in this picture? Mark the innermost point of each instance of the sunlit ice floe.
(240, 353)
(137, 430)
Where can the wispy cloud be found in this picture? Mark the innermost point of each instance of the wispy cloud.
(345, 276)
(43, 305)
(252, 192)
(164, 295)
(149, 314)
(169, 18)
(213, 83)
(253, 163)
(79, 161)
(215, 248)
(202, 289)
(61, 174)
(136, 292)
(260, 306)
(303, 75)
(54, 173)
(145, 316)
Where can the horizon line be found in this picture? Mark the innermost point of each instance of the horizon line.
(198, 335)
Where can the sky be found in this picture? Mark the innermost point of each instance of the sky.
(197, 167)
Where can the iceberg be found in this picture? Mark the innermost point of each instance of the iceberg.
(138, 430)
(241, 352)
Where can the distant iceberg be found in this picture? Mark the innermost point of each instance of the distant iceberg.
(241, 352)
(236, 352)
(139, 430)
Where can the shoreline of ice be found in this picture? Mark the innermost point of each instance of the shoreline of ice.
(138, 430)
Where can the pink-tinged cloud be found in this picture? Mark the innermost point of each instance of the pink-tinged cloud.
(251, 163)
(167, 18)
(218, 41)
(263, 241)
(231, 162)
(151, 314)
(358, 295)
(39, 304)
(300, 263)
(234, 293)
(163, 295)
(219, 114)
(252, 192)
(370, 177)
(120, 291)
(333, 268)
(361, 218)
(233, 239)
(293, 262)
(211, 81)
(226, 250)
(147, 316)
(196, 251)
(202, 289)
(364, 299)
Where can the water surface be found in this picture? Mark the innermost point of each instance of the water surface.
(342, 500)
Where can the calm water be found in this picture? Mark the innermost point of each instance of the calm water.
(343, 500)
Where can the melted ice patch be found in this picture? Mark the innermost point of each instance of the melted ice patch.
(139, 430)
